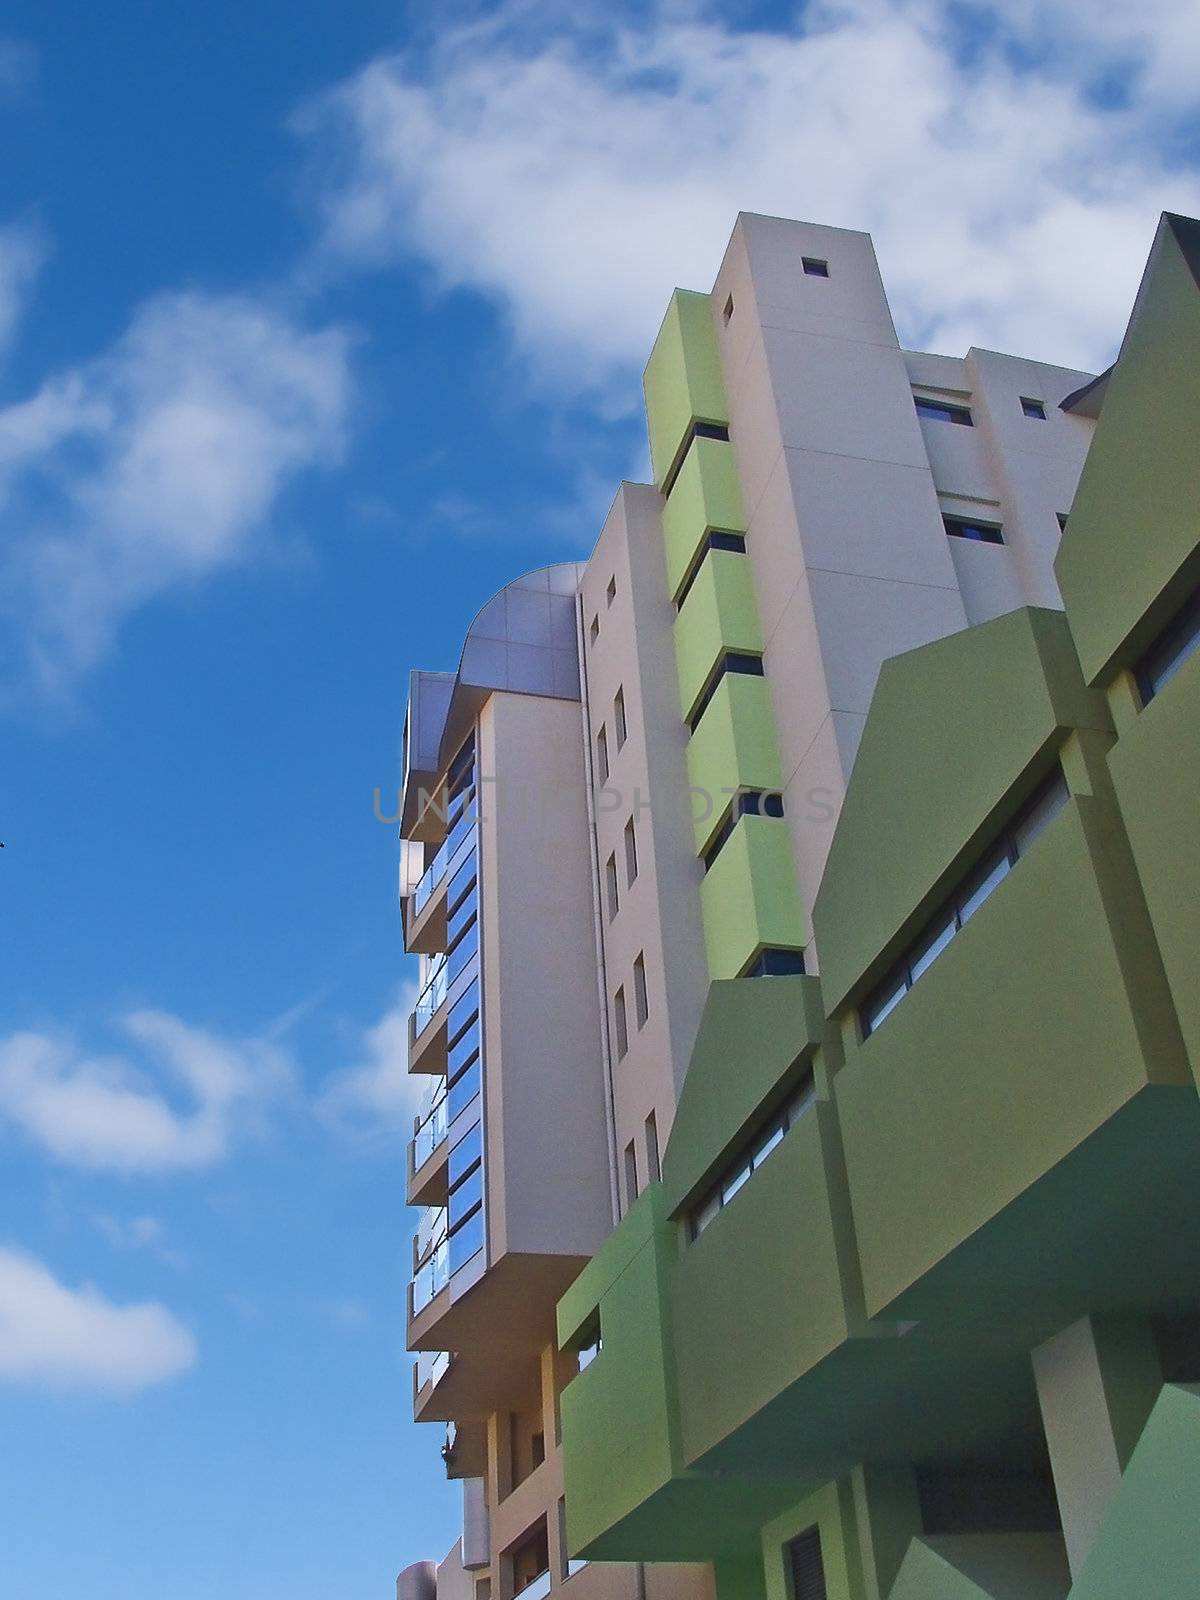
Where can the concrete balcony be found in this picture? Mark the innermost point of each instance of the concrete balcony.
(428, 1152)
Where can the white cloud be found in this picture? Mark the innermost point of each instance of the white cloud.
(576, 170)
(22, 251)
(57, 1337)
(156, 465)
(376, 1092)
(118, 1114)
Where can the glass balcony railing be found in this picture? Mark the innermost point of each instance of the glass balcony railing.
(432, 1366)
(436, 871)
(430, 1279)
(537, 1588)
(431, 1128)
(431, 996)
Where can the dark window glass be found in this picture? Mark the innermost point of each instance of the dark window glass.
(813, 268)
(984, 532)
(610, 878)
(631, 856)
(1033, 408)
(710, 430)
(602, 754)
(640, 1000)
(750, 803)
(777, 964)
(942, 411)
(458, 919)
(622, 1022)
(462, 880)
(465, 1198)
(752, 1154)
(1178, 640)
(698, 430)
(619, 722)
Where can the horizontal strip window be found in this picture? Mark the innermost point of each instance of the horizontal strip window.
(942, 411)
(464, 1011)
(731, 661)
(964, 903)
(463, 880)
(749, 803)
(463, 766)
(466, 1240)
(698, 430)
(776, 963)
(714, 539)
(462, 1091)
(751, 1157)
(1033, 408)
(463, 951)
(981, 532)
(1178, 640)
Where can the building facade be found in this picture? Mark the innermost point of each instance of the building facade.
(803, 889)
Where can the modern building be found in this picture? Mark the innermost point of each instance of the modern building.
(806, 889)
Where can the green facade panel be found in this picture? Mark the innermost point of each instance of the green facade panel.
(940, 768)
(1156, 773)
(770, 1031)
(733, 748)
(683, 381)
(705, 495)
(749, 898)
(1021, 1040)
(758, 1299)
(988, 1566)
(721, 614)
(1133, 532)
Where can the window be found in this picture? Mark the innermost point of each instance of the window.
(975, 888)
(715, 539)
(620, 726)
(807, 1568)
(750, 803)
(653, 1163)
(641, 1008)
(591, 1342)
(1062, 521)
(1033, 408)
(464, 1207)
(631, 863)
(776, 963)
(610, 881)
(984, 532)
(727, 313)
(752, 1155)
(631, 1180)
(610, 594)
(602, 755)
(594, 630)
(813, 268)
(942, 411)
(621, 1023)
(731, 661)
(1178, 640)
(698, 430)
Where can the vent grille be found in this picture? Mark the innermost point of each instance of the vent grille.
(808, 1570)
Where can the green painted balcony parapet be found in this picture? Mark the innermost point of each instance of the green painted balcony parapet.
(999, 1124)
(1155, 772)
(733, 748)
(628, 1495)
(749, 898)
(959, 734)
(683, 381)
(706, 495)
(1132, 544)
(721, 614)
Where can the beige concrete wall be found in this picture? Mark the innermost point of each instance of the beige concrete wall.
(544, 1113)
(659, 914)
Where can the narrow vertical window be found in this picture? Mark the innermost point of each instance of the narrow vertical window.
(621, 1022)
(631, 1180)
(610, 880)
(619, 723)
(808, 1569)
(653, 1165)
(640, 1006)
(602, 754)
(631, 864)
(594, 630)
(610, 594)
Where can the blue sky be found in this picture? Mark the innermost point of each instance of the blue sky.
(318, 324)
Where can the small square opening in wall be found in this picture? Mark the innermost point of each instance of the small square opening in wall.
(814, 267)
(1033, 408)
(727, 313)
